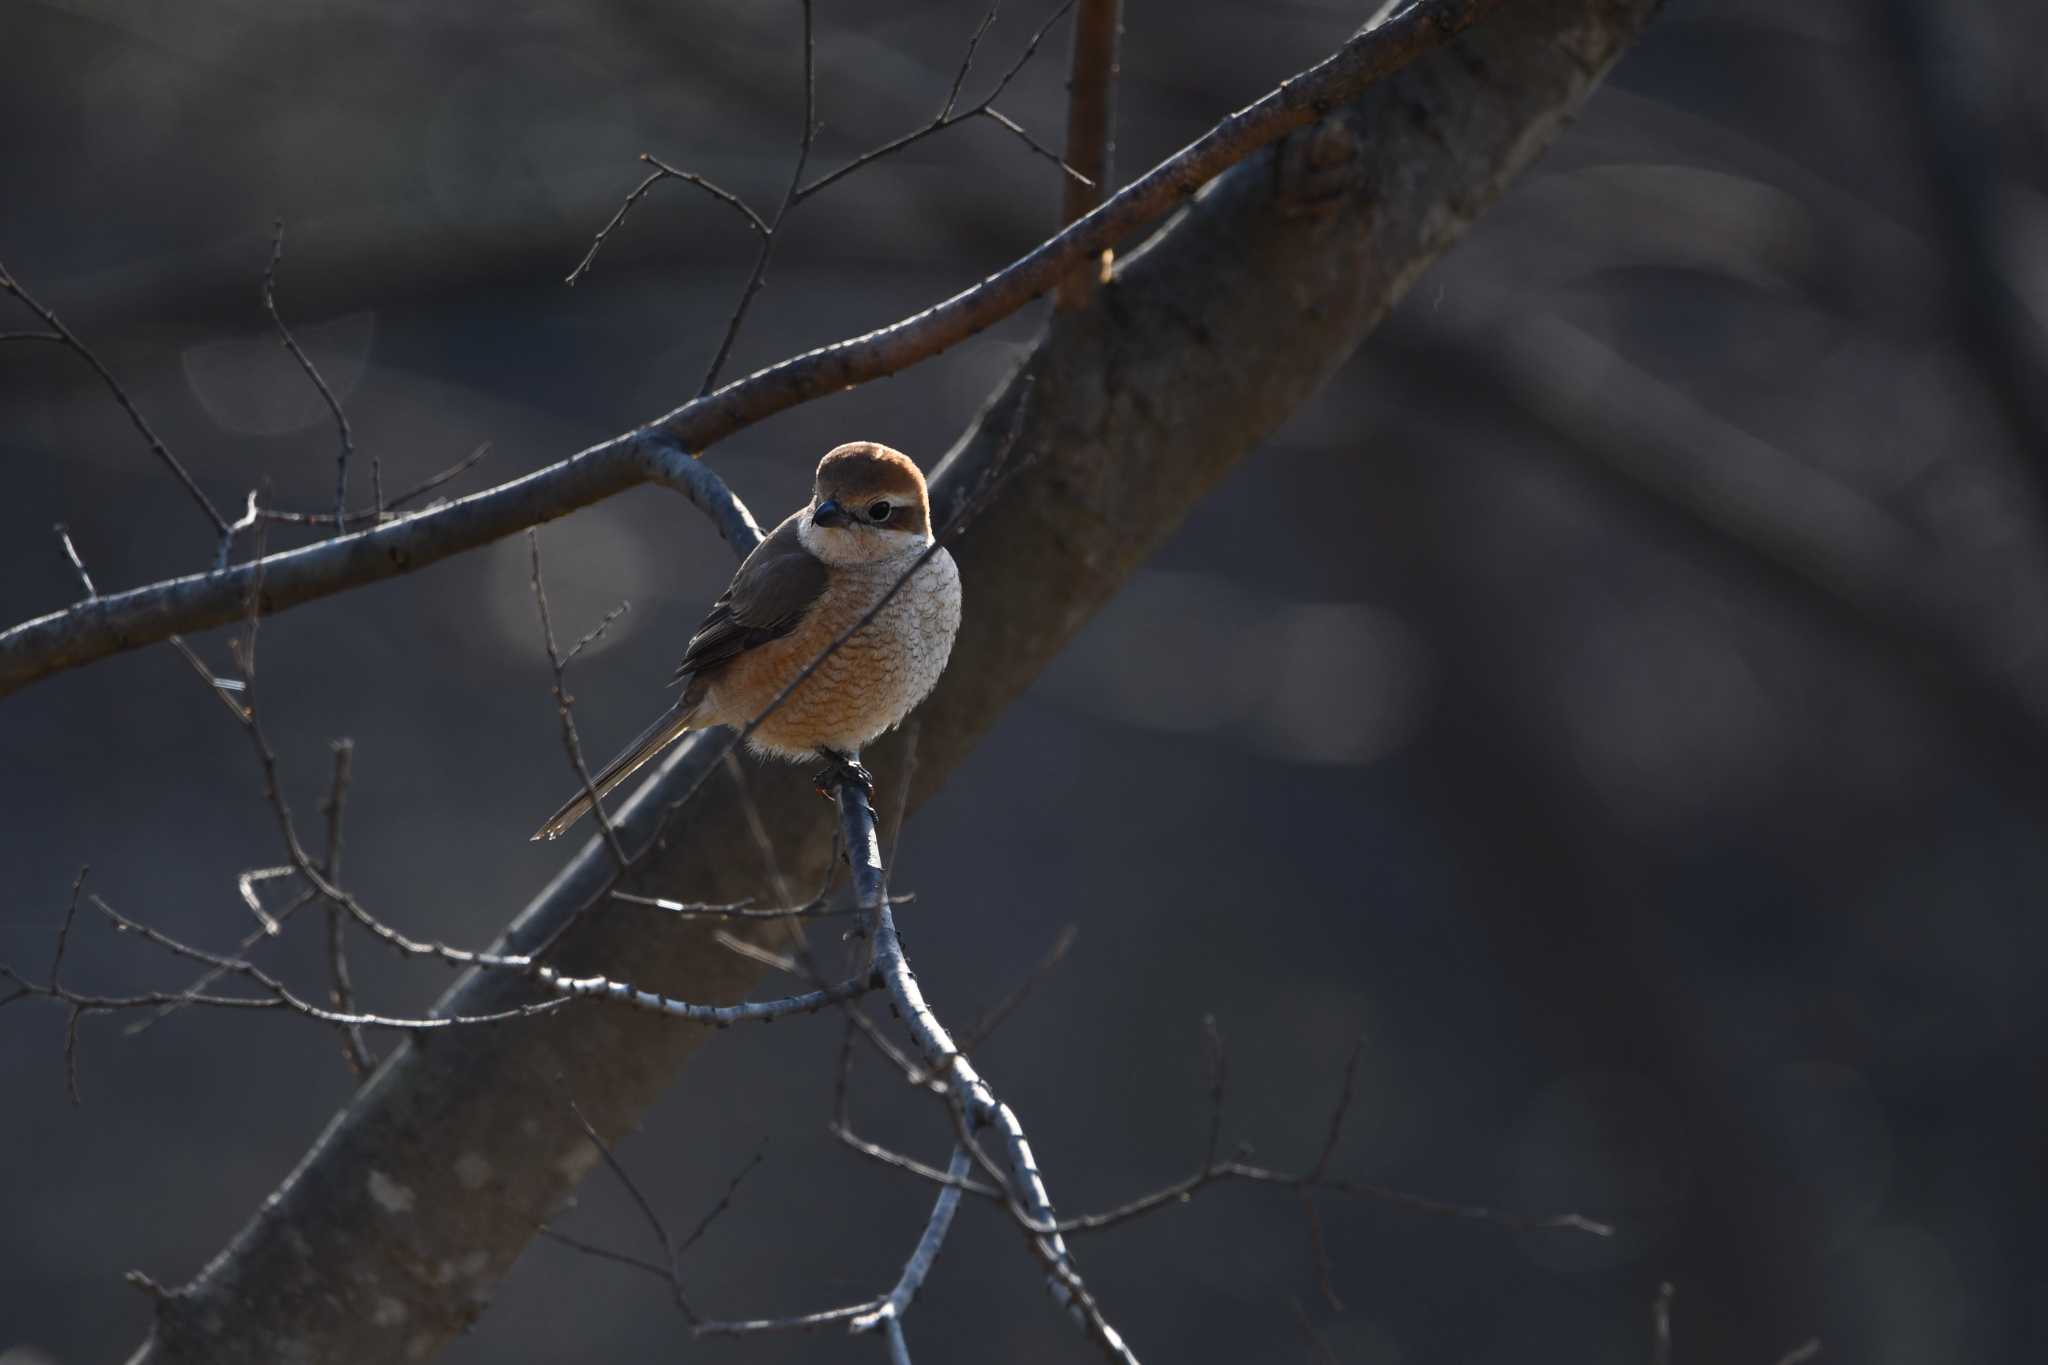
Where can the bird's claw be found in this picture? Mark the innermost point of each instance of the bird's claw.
(839, 770)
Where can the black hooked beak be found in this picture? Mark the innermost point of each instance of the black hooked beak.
(829, 515)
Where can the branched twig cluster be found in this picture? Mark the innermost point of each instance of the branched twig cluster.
(254, 514)
(799, 190)
(62, 335)
(348, 443)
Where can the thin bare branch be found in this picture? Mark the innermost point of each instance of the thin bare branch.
(275, 994)
(10, 285)
(663, 171)
(981, 29)
(348, 441)
(950, 114)
(222, 688)
(341, 991)
(77, 564)
(64, 930)
(572, 744)
(1345, 1094)
(734, 909)
(1024, 57)
(1023, 135)
(251, 515)
(759, 274)
(754, 952)
(624, 1258)
(1319, 1252)
(718, 1016)
(669, 1254)
(910, 1165)
(977, 1033)
(354, 520)
(891, 1310)
(801, 1322)
(732, 1188)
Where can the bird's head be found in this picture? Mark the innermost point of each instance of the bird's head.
(869, 504)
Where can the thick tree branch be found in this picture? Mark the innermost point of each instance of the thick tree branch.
(1207, 339)
(655, 453)
(1091, 126)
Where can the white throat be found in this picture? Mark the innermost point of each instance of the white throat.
(860, 545)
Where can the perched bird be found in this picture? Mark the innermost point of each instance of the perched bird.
(811, 580)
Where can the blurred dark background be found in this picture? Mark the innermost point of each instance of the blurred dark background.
(1673, 559)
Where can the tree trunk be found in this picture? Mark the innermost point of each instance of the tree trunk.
(390, 1235)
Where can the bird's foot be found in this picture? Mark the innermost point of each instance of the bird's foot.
(840, 769)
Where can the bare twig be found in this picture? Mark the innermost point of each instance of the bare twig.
(64, 930)
(564, 704)
(670, 1255)
(754, 952)
(738, 910)
(348, 443)
(1345, 1095)
(663, 171)
(357, 519)
(341, 991)
(222, 687)
(889, 1313)
(89, 631)
(800, 1322)
(274, 993)
(1179, 1192)
(910, 1165)
(950, 114)
(718, 1016)
(1319, 1253)
(1660, 1324)
(71, 553)
(977, 1033)
(10, 285)
(712, 1214)
(766, 252)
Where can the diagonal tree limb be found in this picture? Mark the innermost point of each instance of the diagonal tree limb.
(1206, 340)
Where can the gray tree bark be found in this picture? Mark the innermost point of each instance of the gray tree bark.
(388, 1238)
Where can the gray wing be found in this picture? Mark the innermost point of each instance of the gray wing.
(770, 594)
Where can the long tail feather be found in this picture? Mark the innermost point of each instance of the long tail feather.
(652, 741)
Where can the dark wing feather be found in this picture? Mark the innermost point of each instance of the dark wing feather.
(769, 596)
